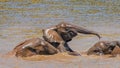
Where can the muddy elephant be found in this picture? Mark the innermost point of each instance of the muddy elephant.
(34, 46)
(59, 35)
(104, 47)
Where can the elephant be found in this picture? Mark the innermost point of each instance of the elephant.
(103, 47)
(62, 33)
(34, 46)
(116, 51)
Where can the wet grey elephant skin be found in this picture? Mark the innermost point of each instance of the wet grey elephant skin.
(34, 46)
(62, 33)
(103, 47)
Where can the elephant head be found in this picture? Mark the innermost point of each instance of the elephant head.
(103, 47)
(68, 31)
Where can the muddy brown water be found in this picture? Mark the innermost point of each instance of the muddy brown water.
(24, 19)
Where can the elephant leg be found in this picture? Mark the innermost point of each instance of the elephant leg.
(67, 47)
(61, 47)
(70, 51)
(51, 49)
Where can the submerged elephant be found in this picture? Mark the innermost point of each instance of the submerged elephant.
(34, 46)
(59, 35)
(104, 47)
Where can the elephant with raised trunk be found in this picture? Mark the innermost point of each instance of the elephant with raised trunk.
(59, 35)
(104, 47)
(34, 46)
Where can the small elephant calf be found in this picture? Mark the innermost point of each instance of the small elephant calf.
(34, 46)
(104, 47)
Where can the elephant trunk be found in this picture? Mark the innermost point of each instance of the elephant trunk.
(85, 31)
